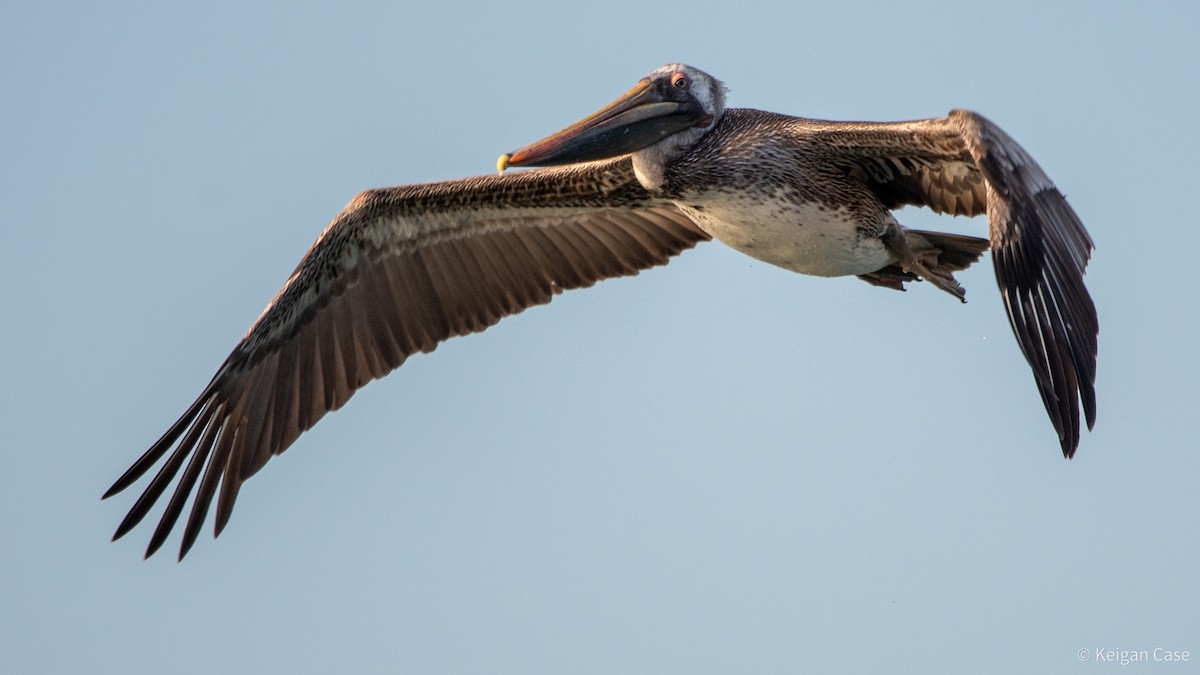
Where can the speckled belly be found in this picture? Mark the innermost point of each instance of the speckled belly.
(804, 238)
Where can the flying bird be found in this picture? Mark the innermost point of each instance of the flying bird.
(664, 167)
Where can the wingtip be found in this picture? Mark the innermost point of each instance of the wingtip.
(129, 522)
(1070, 444)
(185, 546)
(117, 487)
(219, 525)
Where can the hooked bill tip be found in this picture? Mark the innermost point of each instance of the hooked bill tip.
(502, 163)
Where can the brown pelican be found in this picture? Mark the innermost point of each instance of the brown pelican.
(660, 169)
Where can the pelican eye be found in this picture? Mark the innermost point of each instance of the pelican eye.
(679, 81)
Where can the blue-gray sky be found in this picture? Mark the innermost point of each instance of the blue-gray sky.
(716, 466)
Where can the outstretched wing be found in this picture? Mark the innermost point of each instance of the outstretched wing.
(397, 271)
(963, 164)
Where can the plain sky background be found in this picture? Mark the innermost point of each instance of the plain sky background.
(716, 466)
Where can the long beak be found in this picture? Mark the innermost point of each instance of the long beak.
(640, 118)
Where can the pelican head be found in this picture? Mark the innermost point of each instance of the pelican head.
(662, 115)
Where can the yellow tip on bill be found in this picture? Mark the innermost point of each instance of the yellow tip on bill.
(502, 163)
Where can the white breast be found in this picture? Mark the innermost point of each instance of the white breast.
(804, 237)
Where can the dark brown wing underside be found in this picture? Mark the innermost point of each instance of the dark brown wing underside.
(399, 298)
(919, 163)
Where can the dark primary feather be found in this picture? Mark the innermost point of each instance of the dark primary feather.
(1040, 250)
(396, 273)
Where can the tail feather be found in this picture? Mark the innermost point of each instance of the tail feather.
(958, 251)
(943, 254)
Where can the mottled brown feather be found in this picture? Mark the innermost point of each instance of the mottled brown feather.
(397, 272)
